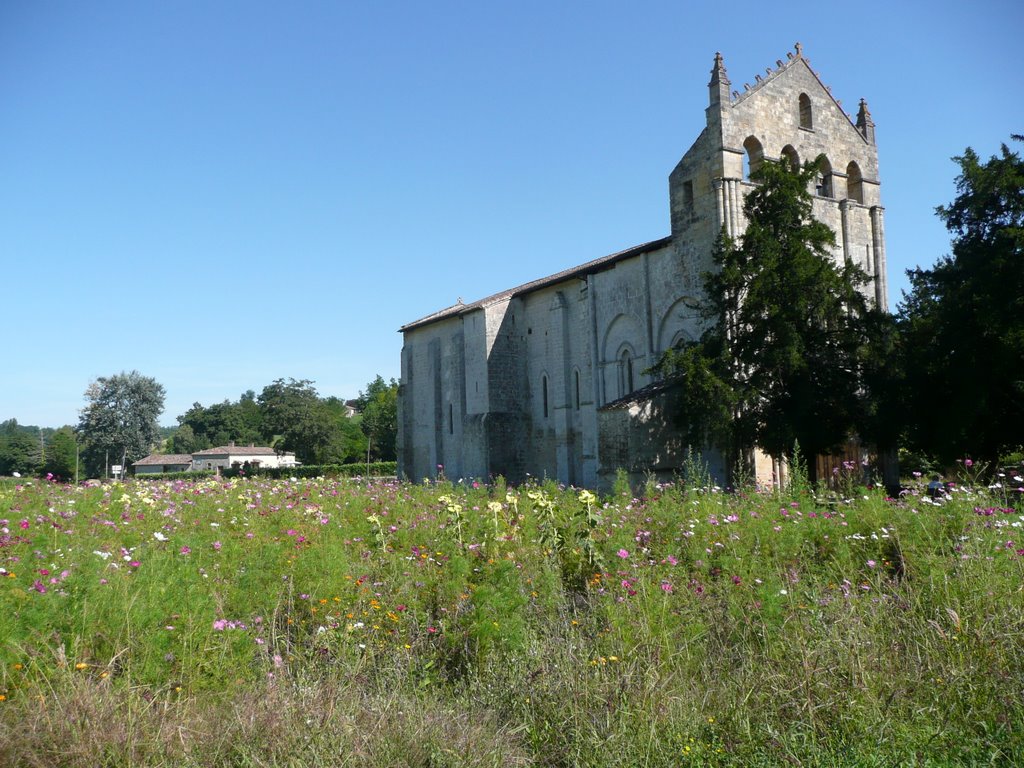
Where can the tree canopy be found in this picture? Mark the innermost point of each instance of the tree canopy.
(962, 323)
(378, 407)
(119, 420)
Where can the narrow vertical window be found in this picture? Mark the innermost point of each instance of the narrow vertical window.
(577, 399)
(688, 194)
(806, 118)
(625, 373)
(823, 181)
(854, 183)
(544, 388)
(791, 157)
(753, 155)
(451, 419)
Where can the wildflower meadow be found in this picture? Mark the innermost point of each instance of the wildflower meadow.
(324, 621)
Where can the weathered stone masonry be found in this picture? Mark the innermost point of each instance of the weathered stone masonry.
(547, 379)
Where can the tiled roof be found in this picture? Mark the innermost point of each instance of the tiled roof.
(642, 394)
(164, 458)
(580, 271)
(237, 450)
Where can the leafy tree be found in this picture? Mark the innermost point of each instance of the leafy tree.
(62, 454)
(19, 449)
(347, 443)
(220, 424)
(782, 361)
(295, 419)
(184, 440)
(963, 321)
(379, 417)
(119, 420)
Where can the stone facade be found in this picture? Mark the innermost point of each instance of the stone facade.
(548, 379)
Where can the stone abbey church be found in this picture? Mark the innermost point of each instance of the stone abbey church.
(548, 379)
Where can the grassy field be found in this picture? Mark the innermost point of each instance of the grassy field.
(335, 622)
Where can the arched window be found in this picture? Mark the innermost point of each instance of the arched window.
(789, 154)
(823, 181)
(806, 118)
(625, 372)
(753, 156)
(854, 183)
(544, 391)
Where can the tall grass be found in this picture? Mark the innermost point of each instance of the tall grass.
(338, 622)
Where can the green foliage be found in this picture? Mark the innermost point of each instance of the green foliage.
(784, 356)
(311, 617)
(20, 449)
(378, 407)
(318, 431)
(358, 469)
(963, 321)
(119, 420)
(191, 474)
(219, 424)
(62, 454)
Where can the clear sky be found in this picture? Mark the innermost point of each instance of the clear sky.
(219, 194)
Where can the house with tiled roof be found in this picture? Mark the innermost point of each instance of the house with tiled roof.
(235, 456)
(157, 463)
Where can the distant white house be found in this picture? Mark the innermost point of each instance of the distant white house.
(231, 455)
(167, 462)
(222, 457)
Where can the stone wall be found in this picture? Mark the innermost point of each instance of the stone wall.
(539, 381)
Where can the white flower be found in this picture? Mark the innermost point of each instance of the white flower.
(783, 592)
(159, 536)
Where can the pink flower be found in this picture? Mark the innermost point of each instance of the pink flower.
(134, 564)
(871, 563)
(220, 625)
(216, 545)
(666, 587)
(671, 560)
(622, 553)
(185, 550)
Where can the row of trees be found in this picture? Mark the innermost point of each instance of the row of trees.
(795, 355)
(119, 425)
(28, 450)
(290, 415)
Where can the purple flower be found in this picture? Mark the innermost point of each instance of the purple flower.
(622, 553)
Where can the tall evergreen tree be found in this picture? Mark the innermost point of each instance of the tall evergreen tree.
(963, 320)
(783, 359)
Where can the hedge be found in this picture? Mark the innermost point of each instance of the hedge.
(373, 469)
(195, 474)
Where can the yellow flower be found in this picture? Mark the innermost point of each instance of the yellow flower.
(81, 665)
(2, 697)
(19, 666)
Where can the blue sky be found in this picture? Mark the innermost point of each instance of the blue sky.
(219, 194)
